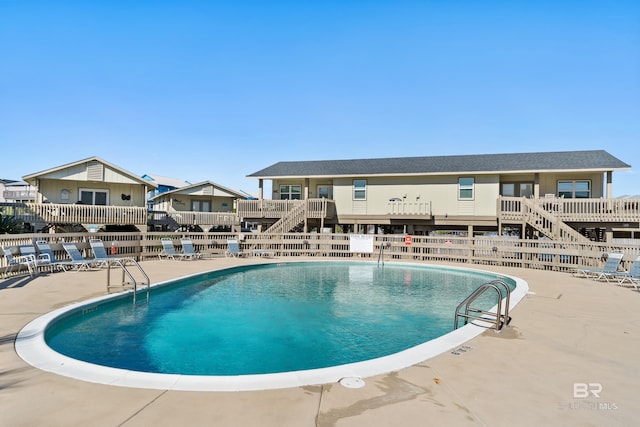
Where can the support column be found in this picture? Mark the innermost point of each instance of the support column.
(609, 188)
(306, 201)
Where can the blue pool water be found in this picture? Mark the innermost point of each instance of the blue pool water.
(271, 318)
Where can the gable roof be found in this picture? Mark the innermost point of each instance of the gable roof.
(194, 188)
(594, 160)
(43, 174)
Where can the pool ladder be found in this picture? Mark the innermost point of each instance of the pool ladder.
(128, 280)
(381, 252)
(497, 319)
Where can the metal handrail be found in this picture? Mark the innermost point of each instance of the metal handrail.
(497, 318)
(381, 252)
(122, 263)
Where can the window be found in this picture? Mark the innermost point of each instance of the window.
(465, 189)
(574, 189)
(359, 189)
(290, 192)
(94, 197)
(520, 189)
(509, 190)
(324, 192)
(200, 206)
(526, 189)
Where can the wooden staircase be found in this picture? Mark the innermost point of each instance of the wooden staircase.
(294, 218)
(549, 224)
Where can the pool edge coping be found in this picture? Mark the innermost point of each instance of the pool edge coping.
(32, 348)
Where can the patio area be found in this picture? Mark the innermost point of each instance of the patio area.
(568, 358)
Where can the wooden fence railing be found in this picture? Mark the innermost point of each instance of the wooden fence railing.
(534, 254)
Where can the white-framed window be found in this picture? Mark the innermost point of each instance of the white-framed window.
(201, 206)
(90, 196)
(359, 189)
(580, 189)
(290, 192)
(465, 188)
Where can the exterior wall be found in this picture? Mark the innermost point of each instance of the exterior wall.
(51, 191)
(441, 192)
(549, 182)
(182, 203)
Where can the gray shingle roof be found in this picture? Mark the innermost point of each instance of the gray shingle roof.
(484, 163)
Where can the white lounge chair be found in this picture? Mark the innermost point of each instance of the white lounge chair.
(100, 254)
(233, 249)
(169, 251)
(45, 249)
(610, 267)
(632, 276)
(188, 249)
(39, 260)
(77, 260)
(18, 261)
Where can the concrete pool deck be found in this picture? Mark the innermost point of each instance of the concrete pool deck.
(570, 340)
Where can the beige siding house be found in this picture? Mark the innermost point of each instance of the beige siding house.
(89, 192)
(205, 205)
(468, 194)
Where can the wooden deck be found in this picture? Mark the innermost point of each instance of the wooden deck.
(573, 210)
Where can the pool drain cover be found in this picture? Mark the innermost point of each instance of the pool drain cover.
(351, 382)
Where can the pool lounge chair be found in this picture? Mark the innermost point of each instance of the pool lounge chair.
(188, 249)
(233, 249)
(45, 249)
(78, 262)
(610, 267)
(39, 260)
(263, 253)
(18, 261)
(169, 251)
(100, 255)
(632, 276)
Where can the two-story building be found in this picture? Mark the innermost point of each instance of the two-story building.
(204, 206)
(562, 195)
(89, 193)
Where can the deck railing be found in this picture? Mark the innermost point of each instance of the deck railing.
(226, 219)
(573, 210)
(19, 194)
(316, 208)
(53, 213)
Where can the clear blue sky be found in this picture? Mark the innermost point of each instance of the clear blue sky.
(217, 90)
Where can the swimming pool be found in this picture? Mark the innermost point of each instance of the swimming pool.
(304, 323)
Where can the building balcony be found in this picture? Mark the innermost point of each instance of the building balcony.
(18, 195)
(53, 213)
(276, 209)
(572, 210)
